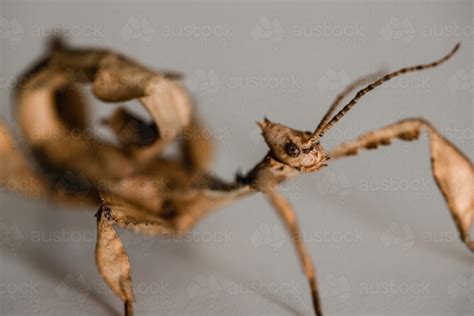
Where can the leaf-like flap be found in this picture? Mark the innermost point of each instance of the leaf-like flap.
(452, 170)
(140, 219)
(454, 174)
(112, 260)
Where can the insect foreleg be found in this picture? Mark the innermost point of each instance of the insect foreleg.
(452, 170)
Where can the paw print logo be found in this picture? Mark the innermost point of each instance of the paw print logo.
(10, 236)
(267, 29)
(205, 82)
(332, 80)
(71, 285)
(73, 183)
(462, 287)
(139, 133)
(138, 241)
(204, 287)
(11, 30)
(335, 183)
(398, 235)
(74, 288)
(148, 132)
(268, 236)
(137, 28)
(462, 81)
(339, 288)
(398, 29)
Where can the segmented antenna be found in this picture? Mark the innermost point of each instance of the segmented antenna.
(358, 82)
(319, 132)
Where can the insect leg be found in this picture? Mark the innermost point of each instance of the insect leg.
(452, 170)
(288, 217)
(112, 260)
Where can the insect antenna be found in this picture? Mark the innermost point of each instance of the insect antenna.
(319, 132)
(344, 93)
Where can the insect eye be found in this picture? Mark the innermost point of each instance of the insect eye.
(292, 150)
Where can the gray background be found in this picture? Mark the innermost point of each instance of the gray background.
(377, 227)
